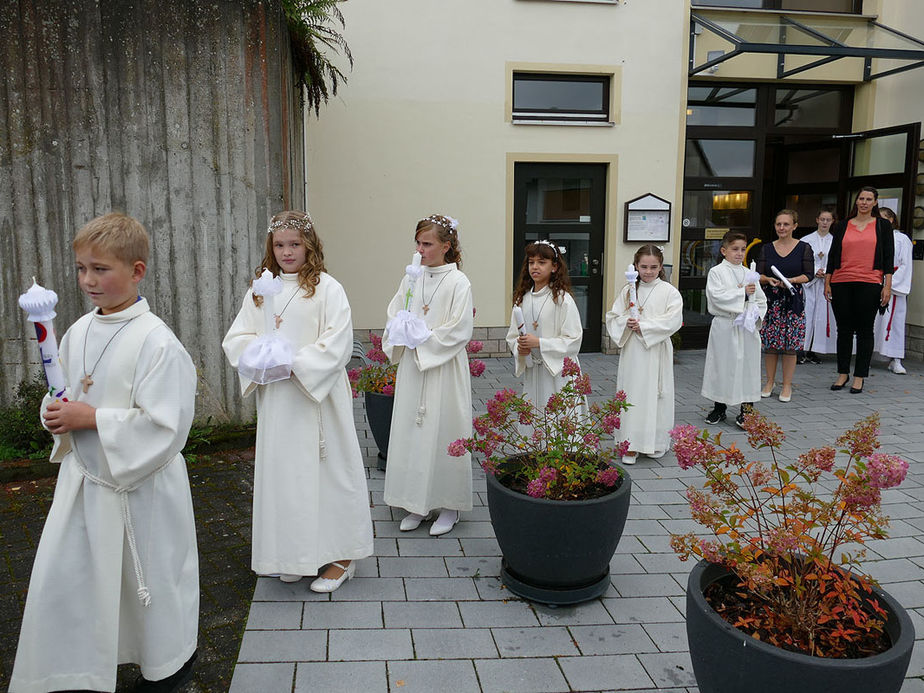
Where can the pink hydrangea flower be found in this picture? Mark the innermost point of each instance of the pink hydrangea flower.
(570, 368)
(476, 367)
(608, 477)
(885, 471)
(457, 448)
(388, 390)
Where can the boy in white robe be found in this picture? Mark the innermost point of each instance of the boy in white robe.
(116, 574)
(889, 330)
(732, 371)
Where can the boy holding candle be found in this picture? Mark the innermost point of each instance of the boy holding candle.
(115, 578)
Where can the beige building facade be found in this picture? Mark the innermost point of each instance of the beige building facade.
(590, 122)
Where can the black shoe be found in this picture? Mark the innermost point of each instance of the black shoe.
(172, 683)
(812, 357)
(856, 390)
(835, 386)
(739, 420)
(715, 416)
(802, 359)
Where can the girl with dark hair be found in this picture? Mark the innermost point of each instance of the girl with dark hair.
(646, 357)
(552, 324)
(858, 280)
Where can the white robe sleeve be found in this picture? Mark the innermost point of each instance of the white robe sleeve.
(617, 317)
(138, 440)
(901, 278)
(567, 343)
(318, 366)
(449, 338)
(656, 328)
(242, 332)
(394, 353)
(723, 295)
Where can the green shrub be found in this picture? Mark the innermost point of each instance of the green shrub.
(21, 432)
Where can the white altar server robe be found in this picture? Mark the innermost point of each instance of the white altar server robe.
(646, 364)
(433, 398)
(83, 615)
(310, 499)
(732, 371)
(820, 327)
(889, 331)
(560, 333)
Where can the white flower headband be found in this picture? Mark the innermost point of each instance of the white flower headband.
(448, 223)
(559, 249)
(300, 224)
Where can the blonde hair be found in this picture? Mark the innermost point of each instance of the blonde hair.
(118, 235)
(309, 274)
(791, 213)
(445, 232)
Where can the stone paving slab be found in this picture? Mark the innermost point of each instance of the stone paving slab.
(431, 614)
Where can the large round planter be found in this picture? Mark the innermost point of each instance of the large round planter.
(726, 660)
(557, 552)
(378, 413)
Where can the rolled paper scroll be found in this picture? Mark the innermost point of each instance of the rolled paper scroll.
(632, 277)
(783, 279)
(519, 320)
(39, 304)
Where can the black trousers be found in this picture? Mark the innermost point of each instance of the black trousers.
(854, 305)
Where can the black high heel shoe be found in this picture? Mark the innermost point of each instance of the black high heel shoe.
(856, 390)
(835, 386)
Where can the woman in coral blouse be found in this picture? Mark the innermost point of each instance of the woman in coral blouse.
(858, 281)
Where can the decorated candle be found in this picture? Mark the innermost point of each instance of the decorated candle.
(632, 277)
(39, 304)
(519, 320)
(268, 287)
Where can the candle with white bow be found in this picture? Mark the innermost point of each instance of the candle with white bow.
(268, 287)
(407, 329)
(268, 358)
(632, 277)
(39, 304)
(520, 320)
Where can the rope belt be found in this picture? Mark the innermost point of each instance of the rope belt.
(144, 595)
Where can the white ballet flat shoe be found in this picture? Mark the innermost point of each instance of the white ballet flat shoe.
(411, 522)
(286, 577)
(767, 393)
(629, 459)
(323, 584)
(895, 365)
(444, 523)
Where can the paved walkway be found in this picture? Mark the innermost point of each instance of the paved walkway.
(430, 614)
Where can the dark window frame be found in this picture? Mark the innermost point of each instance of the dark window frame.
(775, 5)
(562, 115)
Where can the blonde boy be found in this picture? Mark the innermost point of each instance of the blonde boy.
(732, 371)
(116, 576)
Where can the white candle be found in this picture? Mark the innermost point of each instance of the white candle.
(39, 304)
(519, 320)
(631, 278)
(268, 287)
(417, 257)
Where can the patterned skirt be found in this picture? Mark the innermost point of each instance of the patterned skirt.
(783, 329)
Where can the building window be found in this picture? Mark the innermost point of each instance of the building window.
(560, 97)
(843, 6)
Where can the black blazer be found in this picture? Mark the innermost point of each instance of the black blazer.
(883, 256)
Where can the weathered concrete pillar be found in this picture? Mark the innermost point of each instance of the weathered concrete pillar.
(181, 113)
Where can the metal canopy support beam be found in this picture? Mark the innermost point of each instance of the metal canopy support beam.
(832, 51)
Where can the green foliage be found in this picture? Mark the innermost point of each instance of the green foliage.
(21, 431)
(310, 33)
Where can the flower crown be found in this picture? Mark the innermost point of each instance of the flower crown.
(559, 249)
(447, 223)
(300, 224)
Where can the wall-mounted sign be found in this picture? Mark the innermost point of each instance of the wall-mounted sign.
(648, 220)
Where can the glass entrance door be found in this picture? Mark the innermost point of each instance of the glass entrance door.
(566, 204)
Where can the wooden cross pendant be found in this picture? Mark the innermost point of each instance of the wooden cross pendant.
(278, 320)
(426, 309)
(86, 380)
(535, 324)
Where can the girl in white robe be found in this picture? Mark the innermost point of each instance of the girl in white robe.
(889, 330)
(732, 371)
(646, 357)
(820, 326)
(310, 501)
(433, 392)
(553, 323)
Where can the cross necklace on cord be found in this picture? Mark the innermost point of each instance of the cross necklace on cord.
(536, 316)
(278, 315)
(423, 290)
(87, 379)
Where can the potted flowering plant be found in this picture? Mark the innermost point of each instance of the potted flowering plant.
(557, 500)
(376, 379)
(772, 605)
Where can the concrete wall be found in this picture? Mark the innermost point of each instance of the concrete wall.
(422, 127)
(181, 114)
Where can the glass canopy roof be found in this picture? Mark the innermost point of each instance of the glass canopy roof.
(826, 38)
